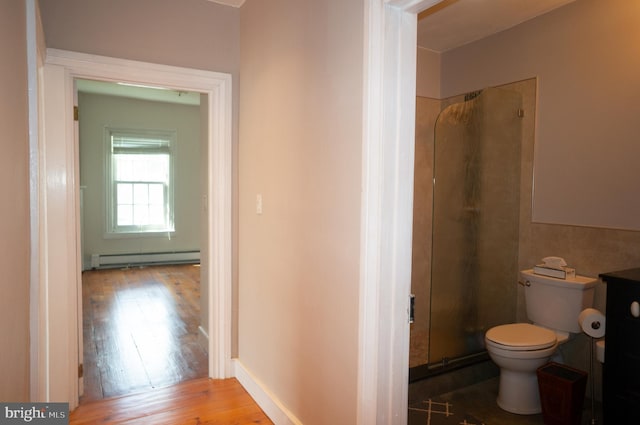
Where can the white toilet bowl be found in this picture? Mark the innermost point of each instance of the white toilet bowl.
(519, 349)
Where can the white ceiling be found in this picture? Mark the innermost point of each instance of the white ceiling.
(154, 94)
(454, 23)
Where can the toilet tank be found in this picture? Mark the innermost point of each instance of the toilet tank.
(556, 303)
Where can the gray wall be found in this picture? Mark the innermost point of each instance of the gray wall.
(100, 111)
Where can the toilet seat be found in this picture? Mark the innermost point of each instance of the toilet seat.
(521, 337)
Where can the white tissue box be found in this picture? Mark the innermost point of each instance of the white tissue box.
(559, 273)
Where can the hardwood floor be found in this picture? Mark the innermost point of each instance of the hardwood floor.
(140, 328)
(196, 402)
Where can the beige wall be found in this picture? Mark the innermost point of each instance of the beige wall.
(301, 109)
(586, 56)
(98, 112)
(191, 33)
(14, 208)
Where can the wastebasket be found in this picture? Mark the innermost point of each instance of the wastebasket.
(562, 390)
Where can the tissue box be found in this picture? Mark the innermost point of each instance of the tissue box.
(562, 273)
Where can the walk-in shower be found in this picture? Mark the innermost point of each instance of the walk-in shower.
(466, 223)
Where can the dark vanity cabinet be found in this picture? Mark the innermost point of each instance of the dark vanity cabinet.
(621, 372)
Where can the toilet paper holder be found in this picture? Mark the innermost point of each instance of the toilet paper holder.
(591, 321)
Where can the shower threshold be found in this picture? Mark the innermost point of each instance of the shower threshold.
(446, 365)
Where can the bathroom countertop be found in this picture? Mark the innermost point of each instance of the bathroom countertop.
(629, 275)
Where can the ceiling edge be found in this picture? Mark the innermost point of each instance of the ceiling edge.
(232, 3)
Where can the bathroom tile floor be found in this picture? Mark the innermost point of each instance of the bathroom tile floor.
(479, 401)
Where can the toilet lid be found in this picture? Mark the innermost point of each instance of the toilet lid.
(521, 336)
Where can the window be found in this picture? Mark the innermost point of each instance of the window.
(140, 182)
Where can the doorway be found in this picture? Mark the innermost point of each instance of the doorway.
(61, 266)
(140, 179)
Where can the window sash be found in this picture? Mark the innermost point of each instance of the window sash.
(138, 207)
(140, 181)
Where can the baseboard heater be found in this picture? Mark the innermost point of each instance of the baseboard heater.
(122, 260)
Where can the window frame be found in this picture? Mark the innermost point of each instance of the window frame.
(112, 230)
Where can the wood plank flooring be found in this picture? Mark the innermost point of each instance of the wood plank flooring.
(196, 402)
(140, 328)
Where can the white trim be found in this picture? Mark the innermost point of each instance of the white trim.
(386, 209)
(58, 308)
(35, 49)
(268, 402)
(112, 230)
(59, 170)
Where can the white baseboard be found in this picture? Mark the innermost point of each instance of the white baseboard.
(120, 260)
(267, 401)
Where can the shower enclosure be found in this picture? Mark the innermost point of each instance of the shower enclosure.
(471, 212)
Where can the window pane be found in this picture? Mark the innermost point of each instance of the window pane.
(140, 215)
(141, 194)
(158, 168)
(125, 215)
(123, 167)
(156, 194)
(139, 167)
(125, 193)
(156, 215)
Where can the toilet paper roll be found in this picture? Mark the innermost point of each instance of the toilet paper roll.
(592, 322)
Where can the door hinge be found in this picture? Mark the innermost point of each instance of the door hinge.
(75, 113)
(412, 306)
(80, 370)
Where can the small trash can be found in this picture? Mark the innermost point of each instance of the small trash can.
(562, 390)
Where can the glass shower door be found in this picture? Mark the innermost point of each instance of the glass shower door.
(476, 207)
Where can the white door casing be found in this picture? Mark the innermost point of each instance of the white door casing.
(59, 216)
(390, 39)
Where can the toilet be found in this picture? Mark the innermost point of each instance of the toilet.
(519, 349)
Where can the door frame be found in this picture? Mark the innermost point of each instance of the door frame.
(388, 147)
(60, 277)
